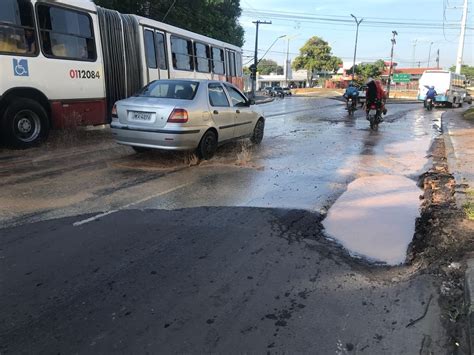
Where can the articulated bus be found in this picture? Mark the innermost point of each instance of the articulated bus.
(64, 63)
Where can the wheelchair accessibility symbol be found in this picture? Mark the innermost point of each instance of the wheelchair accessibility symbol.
(20, 67)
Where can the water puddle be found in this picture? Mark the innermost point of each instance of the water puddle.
(375, 217)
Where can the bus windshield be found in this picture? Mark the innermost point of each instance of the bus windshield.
(170, 89)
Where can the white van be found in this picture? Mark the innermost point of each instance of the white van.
(451, 87)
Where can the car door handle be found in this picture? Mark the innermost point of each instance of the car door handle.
(237, 111)
(215, 112)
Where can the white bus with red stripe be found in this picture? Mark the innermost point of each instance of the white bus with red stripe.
(63, 63)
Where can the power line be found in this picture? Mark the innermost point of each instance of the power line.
(343, 21)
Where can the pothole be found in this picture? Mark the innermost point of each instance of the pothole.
(375, 217)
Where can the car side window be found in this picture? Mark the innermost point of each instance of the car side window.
(217, 96)
(237, 98)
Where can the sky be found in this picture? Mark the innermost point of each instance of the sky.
(374, 40)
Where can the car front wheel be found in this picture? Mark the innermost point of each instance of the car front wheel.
(258, 132)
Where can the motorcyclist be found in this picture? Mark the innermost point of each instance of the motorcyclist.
(373, 95)
(351, 92)
(431, 94)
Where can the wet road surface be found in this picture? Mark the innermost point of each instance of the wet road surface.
(158, 253)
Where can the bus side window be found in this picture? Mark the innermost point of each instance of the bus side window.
(17, 28)
(160, 50)
(66, 33)
(150, 49)
(182, 53)
(218, 61)
(202, 57)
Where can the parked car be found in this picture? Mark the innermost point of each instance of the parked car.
(186, 115)
(267, 90)
(468, 99)
(286, 91)
(277, 91)
(362, 98)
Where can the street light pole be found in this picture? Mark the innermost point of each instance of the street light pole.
(394, 33)
(358, 22)
(414, 52)
(253, 69)
(462, 37)
(429, 55)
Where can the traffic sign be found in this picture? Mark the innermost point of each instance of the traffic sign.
(401, 78)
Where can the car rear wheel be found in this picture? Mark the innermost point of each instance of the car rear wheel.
(258, 132)
(141, 149)
(208, 145)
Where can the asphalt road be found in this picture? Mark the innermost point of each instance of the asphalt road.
(105, 250)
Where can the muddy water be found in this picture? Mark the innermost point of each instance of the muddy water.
(375, 217)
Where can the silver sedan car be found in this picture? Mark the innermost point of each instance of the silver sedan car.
(186, 115)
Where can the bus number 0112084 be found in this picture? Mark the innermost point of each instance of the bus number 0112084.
(84, 74)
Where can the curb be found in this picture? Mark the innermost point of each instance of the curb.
(469, 299)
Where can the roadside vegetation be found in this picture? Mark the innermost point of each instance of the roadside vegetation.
(213, 18)
(469, 206)
(469, 114)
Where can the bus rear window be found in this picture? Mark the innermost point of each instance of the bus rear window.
(17, 29)
(66, 33)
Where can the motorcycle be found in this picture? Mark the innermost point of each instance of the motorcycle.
(429, 104)
(350, 106)
(374, 116)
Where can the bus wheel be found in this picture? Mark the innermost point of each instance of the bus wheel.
(25, 123)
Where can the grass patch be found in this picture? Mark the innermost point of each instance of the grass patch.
(469, 206)
(469, 114)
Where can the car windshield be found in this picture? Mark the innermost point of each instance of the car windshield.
(170, 89)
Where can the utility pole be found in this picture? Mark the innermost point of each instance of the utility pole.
(394, 33)
(413, 59)
(253, 68)
(429, 55)
(287, 64)
(437, 59)
(461, 39)
(358, 22)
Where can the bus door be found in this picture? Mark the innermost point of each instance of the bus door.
(155, 52)
(230, 66)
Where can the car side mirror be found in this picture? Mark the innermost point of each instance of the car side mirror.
(251, 102)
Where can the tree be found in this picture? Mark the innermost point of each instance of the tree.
(217, 19)
(267, 66)
(466, 70)
(369, 70)
(316, 56)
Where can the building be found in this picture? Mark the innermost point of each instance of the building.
(295, 79)
(415, 75)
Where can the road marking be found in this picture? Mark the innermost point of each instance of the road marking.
(103, 214)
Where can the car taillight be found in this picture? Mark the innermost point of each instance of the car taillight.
(114, 111)
(178, 116)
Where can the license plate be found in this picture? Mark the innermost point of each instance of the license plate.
(372, 112)
(141, 116)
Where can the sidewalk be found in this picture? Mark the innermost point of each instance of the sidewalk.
(459, 139)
